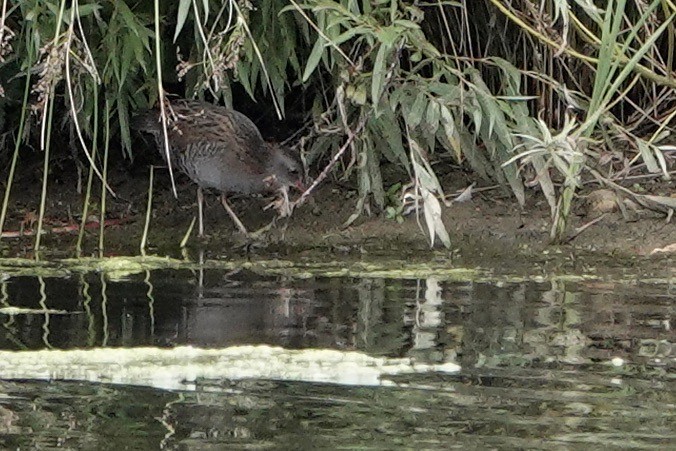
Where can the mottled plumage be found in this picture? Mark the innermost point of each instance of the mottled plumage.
(220, 148)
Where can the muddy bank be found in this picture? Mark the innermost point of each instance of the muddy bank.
(488, 230)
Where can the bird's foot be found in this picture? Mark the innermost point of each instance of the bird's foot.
(282, 204)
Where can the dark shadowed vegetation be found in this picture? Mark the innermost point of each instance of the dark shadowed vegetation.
(531, 95)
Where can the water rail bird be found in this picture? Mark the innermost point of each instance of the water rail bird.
(222, 149)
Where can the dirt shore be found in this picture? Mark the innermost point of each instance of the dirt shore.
(489, 229)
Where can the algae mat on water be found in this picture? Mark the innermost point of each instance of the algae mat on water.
(119, 268)
(182, 367)
(123, 267)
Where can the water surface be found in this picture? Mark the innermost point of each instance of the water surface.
(553, 364)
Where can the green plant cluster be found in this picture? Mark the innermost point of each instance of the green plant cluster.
(523, 94)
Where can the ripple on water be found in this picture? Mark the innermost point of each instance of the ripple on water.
(245, 359)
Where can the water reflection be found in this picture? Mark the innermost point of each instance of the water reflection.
(552, 363)
(435, 321)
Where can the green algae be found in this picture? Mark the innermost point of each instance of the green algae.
(122, 267)
(115, 268)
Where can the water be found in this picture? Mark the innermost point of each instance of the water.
(553, 364)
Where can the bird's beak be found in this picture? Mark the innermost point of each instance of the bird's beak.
(299, 185)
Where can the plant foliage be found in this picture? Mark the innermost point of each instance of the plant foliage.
(523, 94)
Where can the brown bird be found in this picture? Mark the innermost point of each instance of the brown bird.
(221, 149)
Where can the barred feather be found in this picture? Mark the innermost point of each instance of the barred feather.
(220, 148)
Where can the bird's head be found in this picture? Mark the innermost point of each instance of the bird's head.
(285, 169)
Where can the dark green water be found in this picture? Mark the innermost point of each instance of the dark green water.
(551, 365)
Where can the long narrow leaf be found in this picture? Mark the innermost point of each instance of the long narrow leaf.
(378, 78)
(183, 8)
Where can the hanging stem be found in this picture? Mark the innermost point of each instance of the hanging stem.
(104, 181)
(45, 175)
(160, 92)
(90, 178)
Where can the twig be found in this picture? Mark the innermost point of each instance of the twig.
(637, 197)
(635, 177)
(351, 136)
(584, 227)
(184, 241)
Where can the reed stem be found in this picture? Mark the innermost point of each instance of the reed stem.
(104, 181)
(146, 226)
(15, 157)
(90, 178)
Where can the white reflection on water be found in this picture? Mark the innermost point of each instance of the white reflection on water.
(180, 367)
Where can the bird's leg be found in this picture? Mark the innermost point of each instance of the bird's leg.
(232, 214)
(200, 200)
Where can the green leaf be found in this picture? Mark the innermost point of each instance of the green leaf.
(388, 35)
(432, 211)
(379, 72)
(314, 58)
(394, 7)
(388, 138)
(127, 56)
(415, 115)
(450, 93)
(432, 117)
(123, 117)
(546, 183)
(183, 8)
(350, 33)
(243, 74)
(356, 93)
(138, 47)
(85, 10)
(451, 132)
(129, 19)
(407, 24)
(648, 157)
